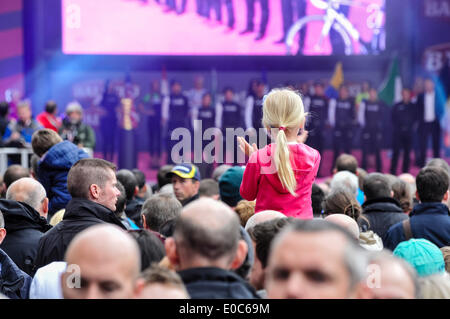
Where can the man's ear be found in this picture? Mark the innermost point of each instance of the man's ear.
(241, 254)
(171, 251)
(417, 196)
(144, 223)
(334, 171)
(136, 191)
(44, 207)
(2, 234)
(445, 199)
(94, 191)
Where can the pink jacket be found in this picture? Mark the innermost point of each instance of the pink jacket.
(261, 181)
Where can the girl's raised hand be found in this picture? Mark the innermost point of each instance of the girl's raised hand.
(245, 147)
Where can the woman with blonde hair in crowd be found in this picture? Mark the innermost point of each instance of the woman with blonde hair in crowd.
(280, 175)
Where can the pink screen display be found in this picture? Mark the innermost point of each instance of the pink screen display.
(151, 27)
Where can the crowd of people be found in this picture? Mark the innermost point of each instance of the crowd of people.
(266, 229)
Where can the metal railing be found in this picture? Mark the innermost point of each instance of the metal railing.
(5, 151)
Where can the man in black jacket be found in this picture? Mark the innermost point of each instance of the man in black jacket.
(403, 120)
(92, 184)
(14, 283)
(205, 246)
(380, 209)
(24, 210)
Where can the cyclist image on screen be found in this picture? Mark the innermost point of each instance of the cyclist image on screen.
(340, 31)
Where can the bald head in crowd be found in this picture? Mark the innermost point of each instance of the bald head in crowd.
(391, 277)
(263, 216)
(29, 191)
(346, 222)
(109, 265)
(206, 235)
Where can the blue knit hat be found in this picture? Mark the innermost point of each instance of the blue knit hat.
(423, 255)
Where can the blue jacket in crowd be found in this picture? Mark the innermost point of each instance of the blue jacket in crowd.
(52, 173)
(14, 283)
(428, 220)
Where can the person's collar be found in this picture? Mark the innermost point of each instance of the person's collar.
(191, 199)
(430, 208)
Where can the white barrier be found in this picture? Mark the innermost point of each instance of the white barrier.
(5, 151)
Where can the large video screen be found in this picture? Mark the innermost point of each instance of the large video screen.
(223, 27)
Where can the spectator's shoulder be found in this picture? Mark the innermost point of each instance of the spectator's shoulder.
(394, 236)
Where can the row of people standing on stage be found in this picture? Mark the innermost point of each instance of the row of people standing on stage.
(338, 119)
(421, 114)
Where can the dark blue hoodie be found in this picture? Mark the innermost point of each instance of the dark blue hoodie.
(52, 173)
(428, 220)
(14, 283)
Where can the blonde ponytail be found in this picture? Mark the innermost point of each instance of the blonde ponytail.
(283, 110)
(283, 163)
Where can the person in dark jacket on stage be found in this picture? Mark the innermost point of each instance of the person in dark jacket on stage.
(430, 219)
(229, 116)
(206, 269)
(253, 116)
(207, 118)
(151, 107)
(317, 108)
(175, 114)
(24, 210)
(380, 209)
(403, 120)
(429, 113)
(370, 116)
(14, 283)
(342, 116)
(92, 184)
(108, 122)
(56, 159)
